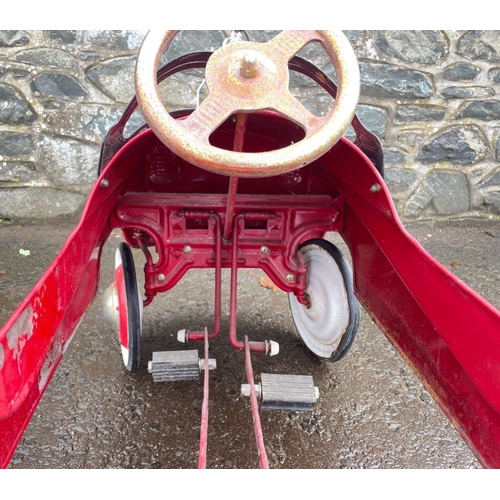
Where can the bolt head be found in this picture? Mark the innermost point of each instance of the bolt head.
(249, 65)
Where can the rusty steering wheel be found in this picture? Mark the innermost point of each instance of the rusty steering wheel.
(246, 77)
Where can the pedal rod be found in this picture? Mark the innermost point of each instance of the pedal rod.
(202, 456)
(259, 437)
(195, 336)
(257, 347)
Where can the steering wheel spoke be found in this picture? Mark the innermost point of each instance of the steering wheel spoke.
(204, 120)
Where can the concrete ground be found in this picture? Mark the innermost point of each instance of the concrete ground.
(373, 411)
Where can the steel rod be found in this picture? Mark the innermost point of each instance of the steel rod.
(239, 141)
(193, 336)
(202, 457)
(259, 436)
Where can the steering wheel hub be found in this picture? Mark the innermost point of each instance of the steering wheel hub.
(248, 80)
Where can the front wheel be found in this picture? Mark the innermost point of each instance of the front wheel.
(129, 307)
(328, 324)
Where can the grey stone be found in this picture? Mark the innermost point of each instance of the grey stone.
(300, 80)
(315, 53)
(68, 161)
(481, 110)
(51, 103)
(90, 56)
(13, 145)
(38, 203)
(120, 40)
(353, 35)
(135, 122)
(418, 113)
(467, 92)
(317, 102)
(18, 73)
(17, 172)
(97, 120)
(14, 108)
(13, 38)
(417, 46)
(494, 75)
(86, 120)
(494, 180)
(114, 78)
(483, 45)
(263, 35)
(394, 157)
(374, 119)
(460, 145)
(58, 85)
(441, 193)
(47, 57)
(189, 41)
(179, 92)
(461, 72)
(411, 138)
(492, 202)
(399, 179)
(385, 80)
(63, 37)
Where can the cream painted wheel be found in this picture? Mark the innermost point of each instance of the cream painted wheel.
(330, 322)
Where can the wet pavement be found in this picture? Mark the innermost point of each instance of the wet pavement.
(373, 412)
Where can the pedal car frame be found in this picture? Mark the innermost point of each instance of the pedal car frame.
(449, 337)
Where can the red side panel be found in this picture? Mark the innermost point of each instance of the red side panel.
(35, 337)
(446, 331)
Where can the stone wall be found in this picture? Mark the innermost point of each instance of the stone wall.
(430, 96)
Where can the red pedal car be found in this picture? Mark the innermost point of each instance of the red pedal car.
(252, 179)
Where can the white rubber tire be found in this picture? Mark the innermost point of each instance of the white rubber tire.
(329, 324)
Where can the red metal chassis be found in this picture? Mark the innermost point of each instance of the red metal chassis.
(446, 332)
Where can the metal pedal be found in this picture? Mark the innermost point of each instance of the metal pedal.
(285, 392)
(174, 366)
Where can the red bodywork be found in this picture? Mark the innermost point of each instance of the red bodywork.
(445, 331)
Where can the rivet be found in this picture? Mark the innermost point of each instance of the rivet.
(187, 249)
(375, 188)
(264, 249)
(290, 277)
(161, 277)
(104, 183)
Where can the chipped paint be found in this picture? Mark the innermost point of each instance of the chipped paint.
(50, 362)
(20, 333)
(22, 329)
(57, 350)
